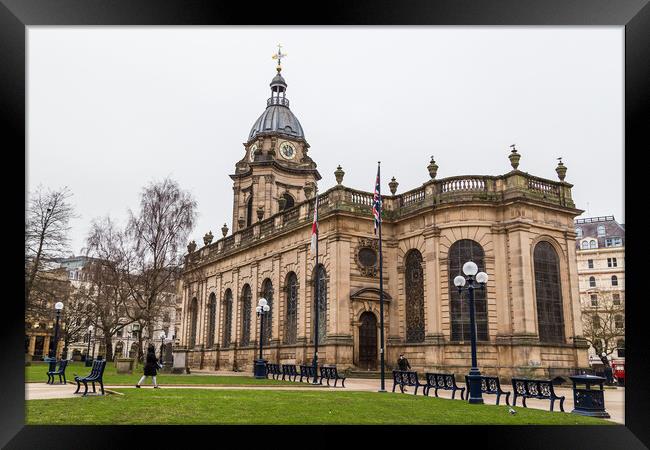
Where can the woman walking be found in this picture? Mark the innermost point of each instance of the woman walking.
(150, 367)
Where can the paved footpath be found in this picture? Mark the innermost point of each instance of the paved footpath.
(614, 398)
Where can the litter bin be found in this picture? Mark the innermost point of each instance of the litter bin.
(588, 401)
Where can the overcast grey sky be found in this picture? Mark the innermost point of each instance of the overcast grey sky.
(112, 108)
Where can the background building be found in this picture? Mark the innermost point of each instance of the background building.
(517, 227)
(600, 249)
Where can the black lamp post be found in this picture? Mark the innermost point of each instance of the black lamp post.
(58, 307)
(162, 344)
(90, 334)
(470, 269)
(260, 365)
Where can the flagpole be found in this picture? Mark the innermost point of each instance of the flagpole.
(317, 286)
(381, 288)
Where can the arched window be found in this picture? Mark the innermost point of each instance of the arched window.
(290, 202)
(246, 300)
(579, 232)
(212, 315)
(548, 292)
(249, 211)
(320, 302)
(592, 282)
(619, 321)
(601, 230)
(593, 244)
(414, 287)
(459, 253)
(291, 320)
(585, 245)
(267, 293)
(614, 280)
(194, 310)
(227, 318)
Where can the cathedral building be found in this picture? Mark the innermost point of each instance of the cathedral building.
(517, 227)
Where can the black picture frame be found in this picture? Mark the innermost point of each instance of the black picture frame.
(634, 15)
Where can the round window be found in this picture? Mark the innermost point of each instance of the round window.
(367, 257)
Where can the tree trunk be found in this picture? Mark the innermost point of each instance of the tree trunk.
(108, 342)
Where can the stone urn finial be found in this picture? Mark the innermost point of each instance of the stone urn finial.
(560, 169)
(282, 201)
(433, 168)
(224, 230)
(260, 212)
(191, 246)
(207, 239)
(393, 185)
(308, 190)
(338, 173)
(514, 157)
(241, 222)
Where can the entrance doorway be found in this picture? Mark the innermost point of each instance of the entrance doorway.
(368, 341)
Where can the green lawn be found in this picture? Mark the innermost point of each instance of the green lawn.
(37, 372)
(202, 406)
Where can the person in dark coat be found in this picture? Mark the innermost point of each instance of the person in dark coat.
(403, 363)
(150, 367)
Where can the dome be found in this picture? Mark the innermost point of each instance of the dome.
(279, 119)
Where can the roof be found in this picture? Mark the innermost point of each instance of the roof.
(590, 225)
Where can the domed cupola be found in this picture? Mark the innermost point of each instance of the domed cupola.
(277, 117)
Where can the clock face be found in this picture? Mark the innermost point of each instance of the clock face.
(287, 150)
(251, 155)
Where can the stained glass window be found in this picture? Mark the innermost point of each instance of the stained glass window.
(227, 318)
(548, 292)
(246, 299)
(267, 293)
(461, 252)
(414, 286)
(212, 315)
(321, 301)
(291, 321)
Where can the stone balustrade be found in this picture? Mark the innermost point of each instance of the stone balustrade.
(485, 188)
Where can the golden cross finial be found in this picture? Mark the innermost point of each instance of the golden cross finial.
(279, 55)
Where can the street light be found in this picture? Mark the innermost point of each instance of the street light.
(58, 307)
(470, 269)
(261, 310)
(162, 344)
(90, 333)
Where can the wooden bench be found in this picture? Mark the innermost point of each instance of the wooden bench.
(96, 375)
(539, 389)
(445, 381)
(289, 370)
(273, 370)
(330, 373)
(307, 371)
(490, 385)
(61, 372)
(403, 378)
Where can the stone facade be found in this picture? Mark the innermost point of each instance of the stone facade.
(502, 218)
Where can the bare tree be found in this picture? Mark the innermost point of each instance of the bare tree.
(74, 318)
(109, 291)
(604, 324)
(158, 231)
(46, 237)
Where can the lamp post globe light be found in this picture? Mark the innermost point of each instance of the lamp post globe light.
(260, 364)
(58, 307)
(88, 359)
(472, 276)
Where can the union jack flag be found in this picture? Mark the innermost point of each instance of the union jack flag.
(376, 202)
